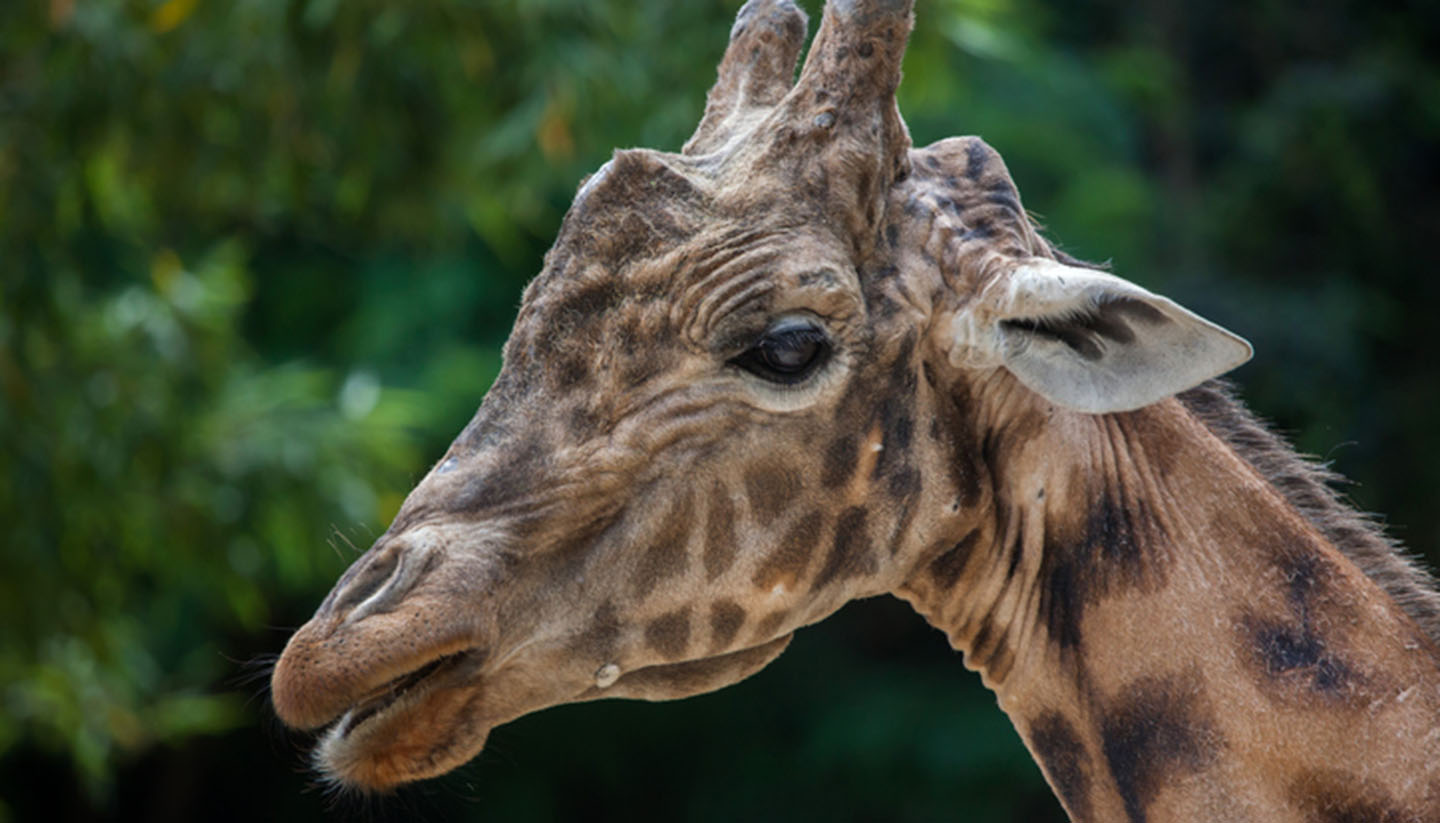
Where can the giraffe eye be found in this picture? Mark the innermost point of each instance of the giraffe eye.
(787, 353)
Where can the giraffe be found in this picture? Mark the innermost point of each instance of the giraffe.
(803, 362)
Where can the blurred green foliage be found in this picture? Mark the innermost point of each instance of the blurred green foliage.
(257, 259)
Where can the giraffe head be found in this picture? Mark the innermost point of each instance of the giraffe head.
(738, 395)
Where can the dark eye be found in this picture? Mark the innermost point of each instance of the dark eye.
(787, 353)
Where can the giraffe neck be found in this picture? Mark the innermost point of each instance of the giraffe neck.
(1175, 642)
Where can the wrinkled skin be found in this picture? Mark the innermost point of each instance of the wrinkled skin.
(635, 513)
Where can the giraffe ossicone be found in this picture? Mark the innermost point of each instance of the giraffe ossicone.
(803, 362)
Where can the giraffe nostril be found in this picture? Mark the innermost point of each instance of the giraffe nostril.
(369, 578)
(385, 578)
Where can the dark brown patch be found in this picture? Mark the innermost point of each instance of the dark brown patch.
(841, 458)
(904, 483)
(1067, 763)
(726, 618)
(1331, 796)
(1291, 653)
(792, 556)
(665, 556)
(589, 300)
(1290, 657)
(669, 634)
(1158, 730)
(946, 568)
(1118, 548)
(960, 441)
(771, 487)
(571, 371)
(850, 550)
(977, 158)
(721, 545)
(895, 412)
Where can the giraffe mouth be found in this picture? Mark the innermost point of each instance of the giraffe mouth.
(408, 689)
(392, 692)
(417, 725)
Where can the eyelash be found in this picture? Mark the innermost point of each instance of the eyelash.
(787, 353)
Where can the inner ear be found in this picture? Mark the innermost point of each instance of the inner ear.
(1111, 320)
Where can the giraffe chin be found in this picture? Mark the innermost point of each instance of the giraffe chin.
(422, 725)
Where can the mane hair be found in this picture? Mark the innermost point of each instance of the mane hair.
(1310, 488)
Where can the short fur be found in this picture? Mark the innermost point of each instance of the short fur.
(1310, 488)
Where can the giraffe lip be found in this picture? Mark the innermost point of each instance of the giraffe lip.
(386, 696)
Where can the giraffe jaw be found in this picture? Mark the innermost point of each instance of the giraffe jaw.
(418, 725)
(434, 718)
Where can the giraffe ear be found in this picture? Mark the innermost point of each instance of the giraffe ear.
(1091, 341)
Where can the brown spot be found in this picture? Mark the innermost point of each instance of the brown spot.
(770, 624)
(946, 568)
(895, 411)
(792, 556)
(643, 366)
(850, 550)
(770, 488)
(669, 634)
(1331, 796)
(1118, 548)
(1157, 730)
(961, 443)
(1066, 761)
(589, 300)
(841, 457)
(572, 371)
(721, 544)
(665, 557)
(598, 640)
(1291, 658)
(904, 484)
(726, 618)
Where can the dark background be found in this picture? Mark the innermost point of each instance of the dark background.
(257, 260)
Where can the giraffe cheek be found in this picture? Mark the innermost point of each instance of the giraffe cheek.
(672, 681)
